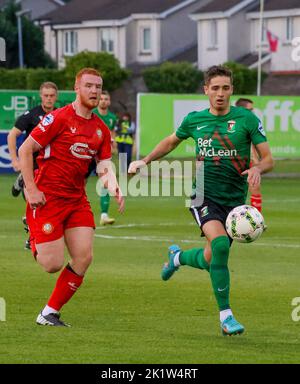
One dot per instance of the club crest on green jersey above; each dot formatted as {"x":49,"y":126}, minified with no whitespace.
{"x":231,"y":126}
{"x":204,"y":211}
{"x":261,"y":129}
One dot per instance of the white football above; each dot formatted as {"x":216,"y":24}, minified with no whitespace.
{"x":245,"y":224}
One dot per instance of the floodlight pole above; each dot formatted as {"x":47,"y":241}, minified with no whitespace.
{"x":261,"y":16}
{"x":19,"y":15}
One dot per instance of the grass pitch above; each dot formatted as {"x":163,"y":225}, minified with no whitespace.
{"x":124,"y":312}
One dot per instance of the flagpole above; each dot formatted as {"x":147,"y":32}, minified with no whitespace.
{"x":261,"y":15}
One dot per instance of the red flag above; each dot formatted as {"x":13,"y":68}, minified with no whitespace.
{"x":273,"y":41}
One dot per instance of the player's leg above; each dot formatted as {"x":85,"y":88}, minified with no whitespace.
{"x":255,"y":192}
{"x":128,"y":150}
{"x":50,"y":256}
{"x":219,"y":273}
{"x":122,"y":158}
{"x":196,"y":257}
{"x":47,"y":225}
{"x":256,"y":197}
{"x":26,"y":229}
{"x":104,"y":206}
{"x":78,"y":236}
{"x":79,"y":243}
{"x":17,"y":186}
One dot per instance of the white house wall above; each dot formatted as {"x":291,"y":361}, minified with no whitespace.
{"x":178,"y":31}
{"x":131,"y":42}
{"x":49,"y":42}
{"x":208,"y":56}
{"x":282,"y":59}
{"x":61,"y":60}
{"x":88,"y":39}
{"x":239,"y":36}
{"x":154,"y":55}
{"x":120,"y":47}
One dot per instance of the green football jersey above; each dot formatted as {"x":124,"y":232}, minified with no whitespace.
{"x":110,"y":119}
{"x":223,"y":143}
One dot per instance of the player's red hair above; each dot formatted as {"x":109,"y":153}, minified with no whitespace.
{"x":87,"y":71}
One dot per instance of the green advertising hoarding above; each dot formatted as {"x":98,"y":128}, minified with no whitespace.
{"x":159,"y":115}
{"x":15,"y":103}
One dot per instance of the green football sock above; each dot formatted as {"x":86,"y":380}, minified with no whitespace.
{"x":219,"y":272}
{"x":104,"y":200}
{"x":194,"y":258}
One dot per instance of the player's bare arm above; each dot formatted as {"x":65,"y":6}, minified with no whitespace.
{"x":108,"y":178}
{"x":166,"y":146}
{"x":265,"y":165}
{"x":34,"y":196}
{"x":12,"y":147}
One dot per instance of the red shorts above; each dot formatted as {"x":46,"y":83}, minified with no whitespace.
{"x":48,"y":223}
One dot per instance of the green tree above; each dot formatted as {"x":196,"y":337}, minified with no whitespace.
{"x":181,"y":77}
{"x":109,"y":67}
{"x":244,"y":79}
{"x":33,"y":40}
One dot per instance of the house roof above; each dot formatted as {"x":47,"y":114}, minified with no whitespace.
{"x":189,"y":54}
{"x":37,"y":8}
{"x":3,"y":3}
{"x":218,"y":6}
{"x":251,"y":58}
{"x":221,"y":8}
{"x":75,"y":12}
{"x":276,"y":5}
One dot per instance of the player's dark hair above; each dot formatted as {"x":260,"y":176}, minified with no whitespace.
{"x":104,"y":92}
{"x":217,"y":70}
{"x":48,"y":84}
{"x":242,"y":102}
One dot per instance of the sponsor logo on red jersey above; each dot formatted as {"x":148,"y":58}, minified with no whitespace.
{"x":82,"y":151}
{"x":48,"y":119}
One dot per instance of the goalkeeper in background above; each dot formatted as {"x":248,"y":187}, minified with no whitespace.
{"x":223,"y":136}
{"x":255,"y":192}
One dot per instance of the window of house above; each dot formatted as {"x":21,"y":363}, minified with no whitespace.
{"x":289,"y":28}
{"x":70,"y":43}
{"x":107,"y":43}
{"x":213,"y":36}
{"x":146,"y":39}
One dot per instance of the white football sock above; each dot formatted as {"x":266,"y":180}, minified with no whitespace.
{"x":47,"y":310}
{"x":225,"y":314}
{"x":104,"y":215}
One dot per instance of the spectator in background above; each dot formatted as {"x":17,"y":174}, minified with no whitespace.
{"x":124,"y":139}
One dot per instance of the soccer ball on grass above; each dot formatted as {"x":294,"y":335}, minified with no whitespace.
{"x":245,"y":224}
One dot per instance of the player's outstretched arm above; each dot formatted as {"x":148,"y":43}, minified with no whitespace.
{"x":265,"y":165}
{"x":166,"y":146}
{"x":33,"y":195}
{"x":14,"y":133}
{"x":108,"y":178}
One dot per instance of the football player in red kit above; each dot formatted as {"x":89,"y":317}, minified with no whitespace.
{"x":58,"y":212}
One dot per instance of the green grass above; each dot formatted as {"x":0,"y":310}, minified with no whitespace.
{"x":124,"y":312}
{"x":287,"y":166}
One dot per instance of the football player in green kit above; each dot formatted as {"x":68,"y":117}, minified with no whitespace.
{"x":223,"y":135}
{"x":110,"y":119}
